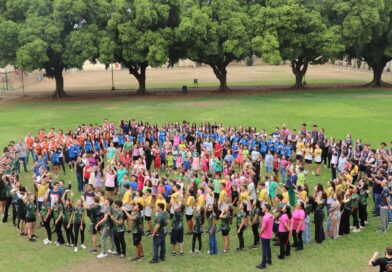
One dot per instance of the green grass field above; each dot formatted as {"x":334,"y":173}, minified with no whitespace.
{"x":365,"y":113}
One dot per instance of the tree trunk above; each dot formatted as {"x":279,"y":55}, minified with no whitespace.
{"x":221,"y":74}
{"x":299,"y":68}
{"x":139,"y":72}
{"x":377,"y":74}
{"x":59,"y":93}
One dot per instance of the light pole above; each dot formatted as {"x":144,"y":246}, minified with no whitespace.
{"x":113,"y":88}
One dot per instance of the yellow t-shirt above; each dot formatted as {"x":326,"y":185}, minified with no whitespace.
{"x":263,"y":195}
{"x":244,"y":196}
{"x":140,"y":200}
{"x":42,"y":190}
{"x":339,"y":189}
{"x":300,"y":146}
{"x":285,"y":197}
{"x":329,"y":192}
{"x":163,"y":201}
{"x":317,"y":152}
{"x":190,"y":201}
{"x":148,"y":200}
{"x":303,"y":195}
{"x":222,"y":196}
{"x":354,"y":171}
{"x":127,"y":197}
{"x":200,"y":200}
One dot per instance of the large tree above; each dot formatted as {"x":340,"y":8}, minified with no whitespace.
{"x":215,"y":33}
{"x":366,"y":27}
{"x":53,"y":35}
{"x":141,"y":33}
{"x":295,"y":31}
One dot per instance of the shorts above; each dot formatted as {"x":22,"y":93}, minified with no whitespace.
{"x":3,"y":198}
{"x":268,"y":169}
{"x":318,"y":162}
{"x":71,"y":159}
{"x":109,"y":189}
{"x":188,"y":217}
{"x":216,"y":195}
{"x":55,"y":163}
{"x":137,"y":239}
{"x":298,"y":157}
{"x":177,"y":236}
{"x":93,"y":231}
{"x":362,"y":168}
{"x":30,"y":220}
{"x":308,"y":161}
{"x":147,"y":218}
{"x":22,"y":216}
{"x":225,"y":232}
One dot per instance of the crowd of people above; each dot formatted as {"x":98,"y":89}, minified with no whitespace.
{"x":188,"y":179}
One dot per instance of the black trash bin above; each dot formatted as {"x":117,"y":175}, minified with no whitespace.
{"x":184,"y":89}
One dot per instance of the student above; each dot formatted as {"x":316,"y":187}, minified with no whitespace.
{"x":385,"y":263}
{"x":95,"y":215}
{"x":159,"y":234}
{"x":255,"y":220}
{"x":57,"y":214}
{"x":242,"y":222}
{"x":211,"y":216}
{"x":31,"y":212}
{"x":225,"y":229}
{"x":136,"y":218}
{"x":177,"y":233}
{"x":107,"y":230}
{"x":118,"y":228}
{"x":78,"y":224}
{"x":45,"y":216}
{"x":67,"y":220}
{"x":284,"y":232}
{"x":266,"y":236}
{"x":197,"y":228}
{"x":148,"y":210}
{"x":189,"y":211}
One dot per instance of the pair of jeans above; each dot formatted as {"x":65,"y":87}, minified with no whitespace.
{"x":298,"y":241}
{"x":362,"y":214}
{"x":284,"y":243}
{"x":23,"y":159}
{"x":7,"y":208}
{"x":333,"y":170}
{"x":198,"y":237}
{"x":107,"y":234}
{"x":119,"y":240}
{"x":318,"y":226}
{"x":266,"y":252}
{"x":213,"y":242}
{"x":384,"y":218}
{"x":79,"y":177}
{"x":28,"y":151}
{"x":377,"y":198}
{"x":159,"y":242}
{"x":47,"y":228}
{"x":241,"y":237}
{"x":306,"y":232}
{"x":255,"y":230}
{"x":344,"y":227}
{"x":76,"y":233}
{"x":60,"y":238}
{"x":69,"y":233}
{"x":355,"y":218}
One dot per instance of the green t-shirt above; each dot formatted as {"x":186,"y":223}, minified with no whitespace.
{"x":255,"y":212}
{"x":272,"y":189}
{"x":354,"y":200}
{"x":67,"y":214}
{"x":45,"y":209}
{"x":31,"y":210}
{"x":225,"y":222}
{"x":161,"y":219}
{"x":95,"y":212}
{"x":178,"y":219}
{"x":363,"y":195}
{"x":118,"y":215}
{"x":211,"y":220}
{"x":197,"y":226}
{"x":78,"y":214}
{"x":128,"y":146}
{"x":216,"y":186}
{"x":108,"y":224}
{"x":137,"y":223}
{"x":3,"y":189}
{"x":240,"y":216}
{"x":57,"y":209}
{"x":218,"y":166}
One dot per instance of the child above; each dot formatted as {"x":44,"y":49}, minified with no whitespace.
{"x":197,"y":228}
{"x":268,"y":163}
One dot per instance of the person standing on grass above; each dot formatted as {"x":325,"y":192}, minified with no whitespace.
{"x":136,"y":218}
{"x":320,"y":199}
{"x":79,"y":225}
{"x":298,"y":225}
{"x":45,"y":216}
{"x":31,"y":215}
{"x":107,"y":231}
{"x":57,"y":214}
{"x":242,"y":222}
{"x":177,"y":234}
{"x":384,"y":206}
{"x":266,"y":236}
{"x":211,"y":217}
{"x":255,"y":221}
{"x":225,"y":228}
{"x":159,"y":234}
{"x":118,"y":228}
{"x":385,"y":263}
{"x":284,"y":232}
{"x":94,"y":211}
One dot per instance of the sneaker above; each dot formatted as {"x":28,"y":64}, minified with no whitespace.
{"x":110,"y":252}
{"x":352,"y":227}
{"x":357,"y":230}
{"x":135,"y":259}
{"x":83,"y":246}
{"x":362,"y":227}
{"x":115,"y":253}
{"x":47,"y":242}
{"x":174,"y":253}
{"x":259,"y":266}
{"x":32,"y":240}
{"x":191,"y":252}
{"x":239,"y":249}
{"x":44,"y":240}
{"x":181,"y":253}
{"x":66,"y":244}
{"x":102,"y":255}
{"x":122,"y":256}
{"x":75,"y":249}
{"x":93,"y":251}
{"x":254,"y":247}
{"x":154,"y":261}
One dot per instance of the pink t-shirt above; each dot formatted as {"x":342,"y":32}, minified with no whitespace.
{"x":298,"y":215}
{"x":284,"y":220}
{"x":267,"y":224}
{"x":109,"y":180}
{"x":176,"y":140}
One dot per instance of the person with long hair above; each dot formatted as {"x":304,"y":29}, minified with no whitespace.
{"x":211,"y":217}
{"x":225,"y":228}
{"x":57,"y":214}
{"x":298,"y":225}
{"x":320,"y":201}
{"x":31,"y":216}
{"x":344,"y":227}
{"x":45,"y":216}
{"x":67,"y":219}
{"x":197,"y":228}
{"x":79,"y":225}
{"x":333,"y":218}
{"x":255,"y":220}
{"x":284,"y":232}
{"x":242,"y":222}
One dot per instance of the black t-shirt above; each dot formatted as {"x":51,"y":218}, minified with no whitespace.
{"x":377,"y":189}
{"x":384,"y":263}
{"x":79,"y":167}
